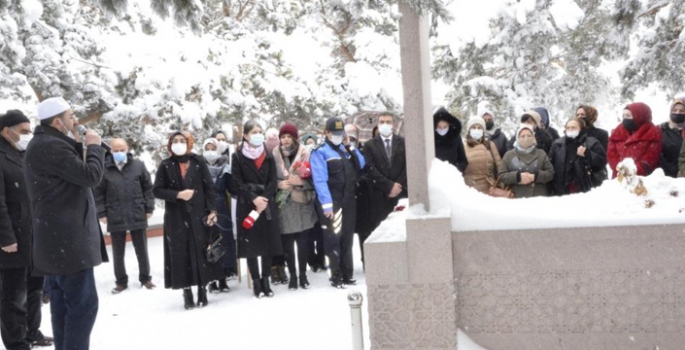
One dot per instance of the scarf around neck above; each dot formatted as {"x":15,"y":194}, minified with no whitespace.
{"x":252,"y":153}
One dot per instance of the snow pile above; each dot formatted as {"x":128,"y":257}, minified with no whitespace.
{"x":609,"y":205}
{"x":567,"y":14}
{"x":394,"y":229}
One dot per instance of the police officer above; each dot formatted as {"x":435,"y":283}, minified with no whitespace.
{"x":335,"y":170}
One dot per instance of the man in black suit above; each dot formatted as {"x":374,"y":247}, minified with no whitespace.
{"x":386,"y":169}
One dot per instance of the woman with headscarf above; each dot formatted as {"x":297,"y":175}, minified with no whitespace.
{"x":589,"y":115}
{"x":526,"y":168}
{"x":543,"y":139}
{"x":579,"y":161}
{"x":184,"y":182}
{"x":259,"y":235}
{"x":672,"y":133}
{"x":637,"y":138}
{"x":220,"y":170}
{"x":448,"y":144}
{"x":297,"y":211}
{"x":483,"y":156}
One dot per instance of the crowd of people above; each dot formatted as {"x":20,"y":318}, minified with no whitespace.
{"x":298,"y":198}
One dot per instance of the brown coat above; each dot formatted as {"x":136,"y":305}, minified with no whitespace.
{"x":483,"y":166}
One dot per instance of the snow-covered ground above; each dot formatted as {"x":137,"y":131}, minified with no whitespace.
{"x":318,"y":318}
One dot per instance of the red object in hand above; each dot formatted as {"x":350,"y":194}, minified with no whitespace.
{"x":400,"y":208}
{"x":303,"y":169}
{"x":250,"y":220}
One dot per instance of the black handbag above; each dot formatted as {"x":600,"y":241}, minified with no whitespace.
{"x":216,"y":249}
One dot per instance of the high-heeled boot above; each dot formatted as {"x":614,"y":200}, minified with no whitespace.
{"x":202,"y":297}
{"x":266,"y":287}
{"x":257,"y":288}
{"x":188,"y":301}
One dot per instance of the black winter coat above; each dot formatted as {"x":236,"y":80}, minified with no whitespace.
{"x":66,"y":233}
{"x":571,"y":168}
{"x":264,"y":238}
{"x":500,"y":140}
{"x":671,"y":143}
{"x":384,"y":173}
{"x":15,"y":209}
{"x":124,"y":196}
{"x":450,"y":148}
{"x":553,"y":133}
{"x":186,"y":236}
{"x":600,"y":134}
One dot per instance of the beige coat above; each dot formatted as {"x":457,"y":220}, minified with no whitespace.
{"x":483,"y":166}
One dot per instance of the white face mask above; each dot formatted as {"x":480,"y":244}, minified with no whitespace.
{"x":23,"y":140}
{"x":179,"y":149}
{"x":572,"y":134}
{"x":257,"y":140}
{"x":385,"y":129}
{"x":211,"y":156}
{"x":336,"y":139}
{"x":476,"y":134}
{"x":442,"y":132}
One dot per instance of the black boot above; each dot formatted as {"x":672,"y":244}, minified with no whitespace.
{"x":304,"y":283}
{"x":257,"y":288}
{"x":293,"y":282}
{"x":214,"y":288}
{"x":348,"y":281}
{"x":202,"y":297}
{"x":223,"y":286}
{"x":337,"y":281}
{"x":267,"y":288}
{"x":188,"y":299}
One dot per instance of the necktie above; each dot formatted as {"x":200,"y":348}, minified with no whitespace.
{"x":388,"y":149}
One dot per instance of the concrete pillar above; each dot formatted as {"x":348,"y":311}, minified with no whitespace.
{"x":418,"y":109}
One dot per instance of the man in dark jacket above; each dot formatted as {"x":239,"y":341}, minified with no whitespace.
{"x":125,"y":202}
{"x":20,"y":293}
{"x":493,"y":134}
{"x":386,"y":165}
{"x":66,"y":234}
{"x":335,"y":171}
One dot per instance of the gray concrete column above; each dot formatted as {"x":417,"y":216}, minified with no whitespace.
{"x":418,"y":120}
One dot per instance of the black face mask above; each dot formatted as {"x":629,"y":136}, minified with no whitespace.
{"x":678,"y":118}
{"x":629,"y":124}
{"x":489,"y":125}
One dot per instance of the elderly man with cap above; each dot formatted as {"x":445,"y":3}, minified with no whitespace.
{"x":67,"y":240}
{"x":335,"y":170}
{"x":124,"y":200}
{"x":20,"y":293}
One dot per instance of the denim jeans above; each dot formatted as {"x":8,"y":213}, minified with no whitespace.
{"x":74,"y":306}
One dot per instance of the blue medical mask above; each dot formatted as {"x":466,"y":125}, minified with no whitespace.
{"x":442,"y":132}
{"x":257,"y":139}
{"x":119,"y":157}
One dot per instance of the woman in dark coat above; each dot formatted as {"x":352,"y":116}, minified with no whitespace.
{"x":448,"y":144}
{"x":579,"y":161}
{"x":220,"y":170}
{"x":184,"y":183}
{"x":672,"y":142}
{"x":636,"y":138}
{"x":589,"y":115}
{"x":254,"y":175}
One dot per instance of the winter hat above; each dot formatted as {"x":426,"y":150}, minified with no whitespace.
{"x":475,"y":121}
{"x":352,"y":131}
{"x":678,"y":101}
{"x":211,"y":140}
{"x":289,"y":129}
{"x":486,"y":112}
{"x":544,"y":115}
{"x":532,"y":114}
{"x":308,"y":136}
{"x":190,"y":141}
{"x":524,"y":127}
{"x":271,"y":137}
{"x":443,"y":114}
{"x":641,"y":113}
{"x":51,"y":107}
{"x":12,"y":118}
{"x":591,"y":114}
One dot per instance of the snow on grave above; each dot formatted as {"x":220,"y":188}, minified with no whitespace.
{"x":629,"y":200}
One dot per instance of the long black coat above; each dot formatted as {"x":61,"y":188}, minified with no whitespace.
{"x":66,"y":233}
{"x":15,"y":209}
{"x":186,"y":237}
{"x":600,"y":134}
{"x":571,"y":168}
{"x":671,"y":143}
{"x":124,"y":196}
{"x":383,"y":173}
{"x":264,"y":238}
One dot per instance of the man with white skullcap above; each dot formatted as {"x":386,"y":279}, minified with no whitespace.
{"x":67,"y":240}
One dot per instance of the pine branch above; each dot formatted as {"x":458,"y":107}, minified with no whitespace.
{"x":654,"y":9}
